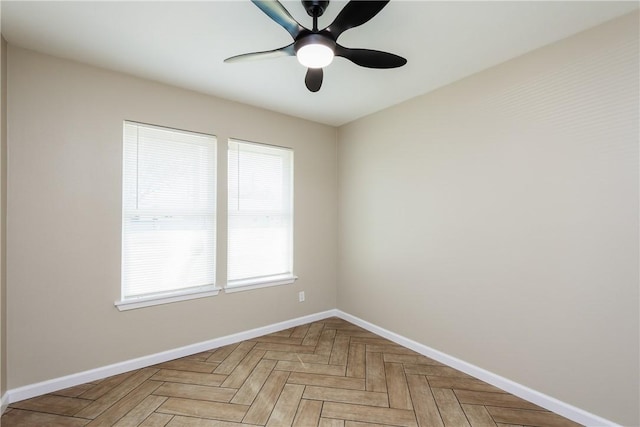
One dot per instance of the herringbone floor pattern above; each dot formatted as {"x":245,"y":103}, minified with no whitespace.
{"x":327,"y":373}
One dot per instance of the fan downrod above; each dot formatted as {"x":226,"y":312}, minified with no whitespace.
{"x":315,"y":8}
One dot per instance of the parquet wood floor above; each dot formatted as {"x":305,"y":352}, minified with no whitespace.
{"x":328,"y":373}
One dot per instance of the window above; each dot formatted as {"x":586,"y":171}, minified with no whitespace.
{"x":260,"y":231}
{"x":168,"y":215}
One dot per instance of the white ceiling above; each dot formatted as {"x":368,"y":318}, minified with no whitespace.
{"x":185,"y":43}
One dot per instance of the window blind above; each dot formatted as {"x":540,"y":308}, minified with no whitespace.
{"x":260,"y":230}
{"x":168,"y":213}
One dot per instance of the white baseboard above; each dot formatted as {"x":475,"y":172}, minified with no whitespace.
{"x":571,"y":412}
{"x":44,"y":387}
{"x":552,"y":404}
{"x":4,"y":402}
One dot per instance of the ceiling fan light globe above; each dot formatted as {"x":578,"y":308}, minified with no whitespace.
{"x":315,"y":55}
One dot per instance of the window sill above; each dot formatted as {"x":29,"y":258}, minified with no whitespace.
{"x":133,"y":303}
{"x":263,"y":282}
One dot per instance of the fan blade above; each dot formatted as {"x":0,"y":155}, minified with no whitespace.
{"x":313,"y":79}
{"x":370,"y":58}
{"x":355,"y":13}
{"x":277,"y":12}
{"x":267,"y":54}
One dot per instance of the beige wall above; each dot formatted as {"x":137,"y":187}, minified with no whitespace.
{"x":64,"y":210}
{"x":496,"y":220}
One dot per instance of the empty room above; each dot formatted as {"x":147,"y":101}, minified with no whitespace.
{"x":320,"y":213}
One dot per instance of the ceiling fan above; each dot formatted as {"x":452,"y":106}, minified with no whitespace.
{"x":316,"y":48}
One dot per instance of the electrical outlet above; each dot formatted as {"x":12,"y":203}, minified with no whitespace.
{"x":301,"y":296}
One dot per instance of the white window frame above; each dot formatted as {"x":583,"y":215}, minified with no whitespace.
{"x":209,"y":142}
{"x":279,"y":278}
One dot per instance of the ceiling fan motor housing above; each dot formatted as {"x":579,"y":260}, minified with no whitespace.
{"x":314,"y":38}
{"x":315,"y":8}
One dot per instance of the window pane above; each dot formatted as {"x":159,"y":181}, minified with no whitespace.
{"x":168,"y":225}
{"x":260,"y":231}
{"x":258,"y":246}
{"x":167,"y":254}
